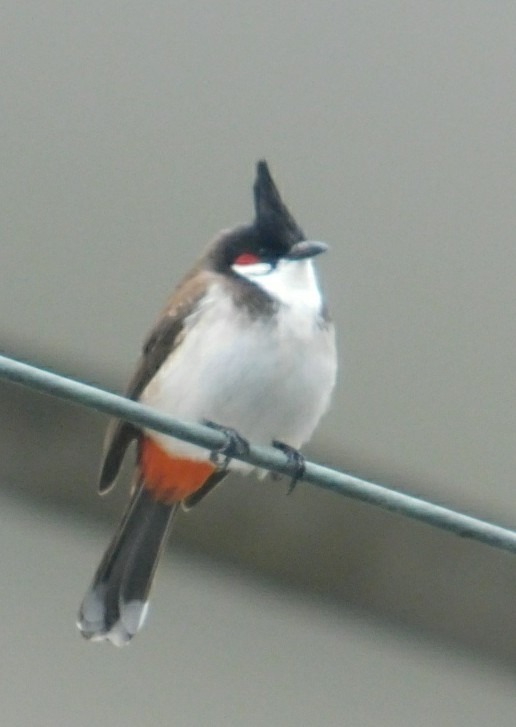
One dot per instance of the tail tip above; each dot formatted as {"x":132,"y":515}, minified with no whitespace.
{"x":95,"y":625}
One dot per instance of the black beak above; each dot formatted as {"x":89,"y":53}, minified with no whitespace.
{"x":305,"y":249}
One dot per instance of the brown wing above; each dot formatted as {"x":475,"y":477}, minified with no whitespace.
{"x":164,"y":337}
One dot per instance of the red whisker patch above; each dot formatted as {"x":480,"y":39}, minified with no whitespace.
{"x":247,"y":258}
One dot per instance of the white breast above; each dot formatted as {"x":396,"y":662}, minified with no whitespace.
{"x":266,"y":378}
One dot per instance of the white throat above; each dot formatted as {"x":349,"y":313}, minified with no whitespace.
{"x":292,"y":282}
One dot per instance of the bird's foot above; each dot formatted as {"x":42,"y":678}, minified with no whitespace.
{"x":234,"y":446}
{"x":296,"y":462}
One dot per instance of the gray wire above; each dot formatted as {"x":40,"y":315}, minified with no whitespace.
{"x":264,"y":457}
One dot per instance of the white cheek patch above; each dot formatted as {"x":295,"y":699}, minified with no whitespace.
{"x":252,"y":271}
{"x":292,"y":282}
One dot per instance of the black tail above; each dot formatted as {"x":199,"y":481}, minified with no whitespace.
{"x":116,"y":603}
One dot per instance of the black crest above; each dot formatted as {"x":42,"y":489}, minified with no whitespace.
{"x":273,"y":221}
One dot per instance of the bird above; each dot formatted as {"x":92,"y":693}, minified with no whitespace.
{"x":245,"y":341}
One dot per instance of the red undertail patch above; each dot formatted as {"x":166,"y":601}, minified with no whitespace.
{"x":171,"y":479}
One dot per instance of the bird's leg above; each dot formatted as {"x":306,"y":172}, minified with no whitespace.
{"x":296,"y":461}
{"x":234,"y":446}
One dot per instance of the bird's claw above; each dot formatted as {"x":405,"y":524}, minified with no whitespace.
{"x":296,"y":462}
{"x":234,"y":446}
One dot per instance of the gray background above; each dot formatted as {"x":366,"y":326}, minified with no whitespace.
{"x":129,"y":136}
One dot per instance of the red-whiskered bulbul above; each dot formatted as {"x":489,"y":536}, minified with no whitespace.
{"x":246,"y":341}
